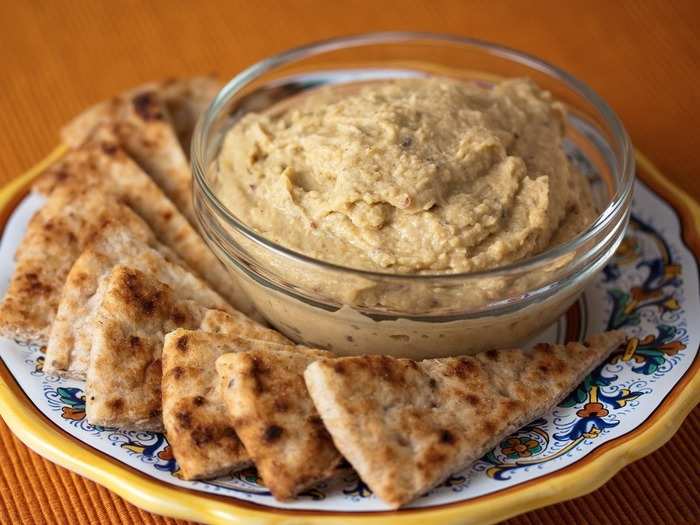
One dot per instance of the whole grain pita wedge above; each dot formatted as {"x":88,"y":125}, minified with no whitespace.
{"x":199,"y":428}
{"x":124,"y":375}
{"x":55,"y":237}
{"x":68,"y":349}
{"x":148,"y":135}
{"x":104,"y":166}
{"x":274,"y":416}
{"x":185,"y":100}
{"x":140,"y":120}
{"x":406,"y":426}
{"x":154,"y":122}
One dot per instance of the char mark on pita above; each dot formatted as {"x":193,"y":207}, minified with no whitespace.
{"x":199,"y":427}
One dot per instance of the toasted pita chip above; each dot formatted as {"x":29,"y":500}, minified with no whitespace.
{"x":185,"y":100}
{"x":103,"y":166}
{"x":274,"y":416}
{"x":124,"y":374}
{"x":55,"y":237}
{"x":405,"y":426}
{"x":198,"y":426}
{"x":146,"y":132}
{"x":68,"y":349}
{"x":140,"y":120}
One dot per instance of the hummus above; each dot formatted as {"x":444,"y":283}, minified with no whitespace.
{"x":410,"y":176}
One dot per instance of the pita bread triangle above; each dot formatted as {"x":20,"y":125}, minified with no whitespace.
{"x":68,"y":348}
{"x":103,"y":166}
{"x":185,"y":100}
{"x":141,"y":121}
{"x":265,"y":395}
{"x":199,"y":428}
{"x":405,"y":426}
{"x":55,"y":237}
{"x":124,"y":374}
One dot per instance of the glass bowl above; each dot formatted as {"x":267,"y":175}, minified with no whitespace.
{"x":351,"y":311}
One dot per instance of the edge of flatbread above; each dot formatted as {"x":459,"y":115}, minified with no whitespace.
{"x":141,"y":121}
{"x":275,"y":418}
{"x":185,"y":99}
{"x":70,"y":341}
{"x":57,"y":234}
{"x":125,"y":372}
{"x":105,"y":167}
{"x":405,"y":426}
{"x":198,"y":426}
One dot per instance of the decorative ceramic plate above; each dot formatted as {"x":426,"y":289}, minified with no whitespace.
{"x":622,"y":411}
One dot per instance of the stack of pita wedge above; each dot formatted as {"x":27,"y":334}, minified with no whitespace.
{"x":113,"y":279}
{"x":117,"y":219}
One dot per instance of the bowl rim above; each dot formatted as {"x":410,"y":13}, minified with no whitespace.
{"x":625,"y":162}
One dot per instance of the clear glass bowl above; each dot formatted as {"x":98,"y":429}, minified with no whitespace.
{"x":352,"y":311}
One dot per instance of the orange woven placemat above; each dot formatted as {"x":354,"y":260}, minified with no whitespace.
{"x":661,"y":488}
{"x":57,"y":57}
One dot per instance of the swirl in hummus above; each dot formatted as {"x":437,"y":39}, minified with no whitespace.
{"x":420,"y":175}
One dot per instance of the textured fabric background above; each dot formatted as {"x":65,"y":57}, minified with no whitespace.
{"x":56,"y":57}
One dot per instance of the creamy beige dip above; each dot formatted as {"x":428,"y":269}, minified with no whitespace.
{"x":421,"y":175}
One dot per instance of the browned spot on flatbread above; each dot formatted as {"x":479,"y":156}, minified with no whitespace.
{"x":462,"y":369}
{"x":184,"y":418}
{"x":202,"y":436}
{"x":316,"y":420}
{"x":198,"y":401}
{"x":447,"y":437}
{"x":281,"y":405}
{"x":138,"y":296}
{"x":177,"y":372}
{"x":272,"y":433}
{"x":116,"y":404}
{"x":109,"y":149}
{"x":182,"y":343}
{"x":432,"y":457}
{"x":257,"y":371}
{"x":146,"y":106}
{"x":401,"y":440}
{"x":229,"y":432}
{"x":488,"y":427}
{"x":179,"y":317}
{"x":512,"y":404}
{"x":34,"y":285}
{"x":472,"y":399}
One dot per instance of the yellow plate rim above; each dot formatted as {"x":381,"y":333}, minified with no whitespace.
{"x":584,"y":476}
